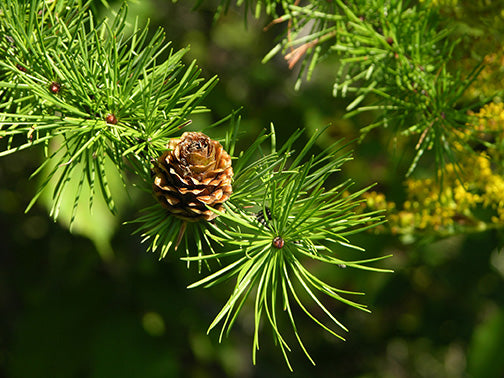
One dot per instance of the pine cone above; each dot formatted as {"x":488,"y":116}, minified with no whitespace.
{"x":195,"y":172}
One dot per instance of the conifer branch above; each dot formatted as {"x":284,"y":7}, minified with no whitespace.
{"x":93,"y":95}
{"x":393,"y":59}
{"x":90,"y":93}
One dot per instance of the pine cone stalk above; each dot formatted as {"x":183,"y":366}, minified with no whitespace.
{"x":193,"y":174}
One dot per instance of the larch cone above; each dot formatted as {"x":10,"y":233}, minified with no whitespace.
{"x":195,"y":172}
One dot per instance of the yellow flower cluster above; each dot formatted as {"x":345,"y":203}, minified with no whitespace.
{"x":490,"y":119}
{"x":469,"y":199}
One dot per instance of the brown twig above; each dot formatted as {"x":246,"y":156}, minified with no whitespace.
{"x":296,"y":54}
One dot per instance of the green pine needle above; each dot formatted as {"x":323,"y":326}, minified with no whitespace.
{"x":310,"y":223}
{"x":392,"y":59}
{"x":104,"y":94}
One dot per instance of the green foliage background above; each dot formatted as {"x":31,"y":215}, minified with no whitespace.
{"x":98,"y":306}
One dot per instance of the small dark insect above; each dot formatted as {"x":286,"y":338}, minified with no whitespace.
{"x":111,"y":118}
{"x":278,"y":242}
{"x":262,"y":219}
{"x":55,"y":87}
{"x":21,"y":68}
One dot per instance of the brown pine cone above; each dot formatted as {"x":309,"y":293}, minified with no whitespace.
{"x":195,"y":172}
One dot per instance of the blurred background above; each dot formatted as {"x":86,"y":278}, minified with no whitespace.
{"x":93,"y":303}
